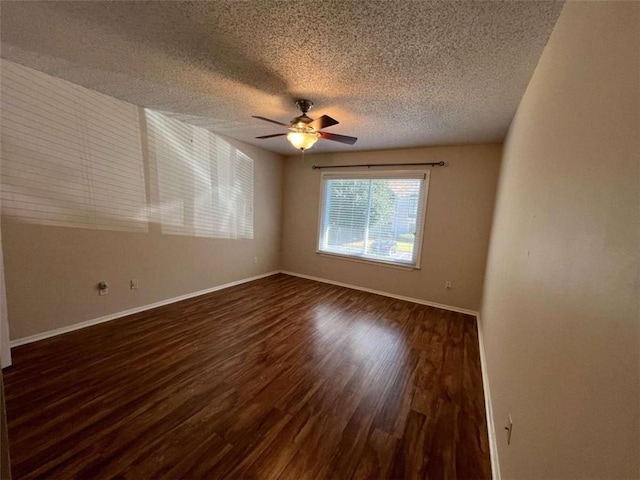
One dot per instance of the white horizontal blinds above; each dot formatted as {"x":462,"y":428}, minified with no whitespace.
{"x":205,"y":185}
{"x":375,"y":216}
{"x":70,"y":156}
{"x":345,"y":217}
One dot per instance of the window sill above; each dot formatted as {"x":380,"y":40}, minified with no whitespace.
{"x":369,"y":261}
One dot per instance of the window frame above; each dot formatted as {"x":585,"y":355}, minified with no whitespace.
{"x":384,"y":174}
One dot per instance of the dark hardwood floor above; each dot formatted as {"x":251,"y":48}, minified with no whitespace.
{"x":278,"y":378}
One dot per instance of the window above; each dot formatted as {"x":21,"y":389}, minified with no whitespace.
{"x":373,"y":216}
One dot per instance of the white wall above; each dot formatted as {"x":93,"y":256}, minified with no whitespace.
{"x":560,"y":311}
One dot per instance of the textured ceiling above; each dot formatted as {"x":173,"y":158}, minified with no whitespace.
{"x":394,"y":73}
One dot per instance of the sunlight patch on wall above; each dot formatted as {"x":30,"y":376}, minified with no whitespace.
{"x":71,"y":157}
{"x":205,"y":185}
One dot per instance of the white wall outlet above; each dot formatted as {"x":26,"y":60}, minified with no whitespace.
{"x":447,"y":285}
{"x":134,"y":284}
{"x":509,"y":429}
{"x":103,"y":288}
{"x":255,"y":259}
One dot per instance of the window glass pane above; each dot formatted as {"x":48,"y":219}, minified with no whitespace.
{"x":374,"y":218}
{"x":345,"y":219}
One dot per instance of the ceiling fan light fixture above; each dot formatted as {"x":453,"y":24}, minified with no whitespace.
{"x":304,"y":131}
{"x":303,"y":140}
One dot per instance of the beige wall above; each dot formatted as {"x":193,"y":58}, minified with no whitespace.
{"x":560,"y":312}
{"x":52,"y":272}
{"x":458,"y":221}
{"x":72,"y":157}
{"x":5,"y":350}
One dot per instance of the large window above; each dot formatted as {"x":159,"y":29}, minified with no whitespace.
{"x":373,"y":216}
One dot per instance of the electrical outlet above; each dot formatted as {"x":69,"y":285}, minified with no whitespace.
{"x":447,"y":285}
{"x":255,"y":259}
{"x":509,"y":429}
{"x":103,"y":288}
{"x":134,"y":284}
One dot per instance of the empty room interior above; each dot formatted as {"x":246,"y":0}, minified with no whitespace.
{"x":320,"y":240}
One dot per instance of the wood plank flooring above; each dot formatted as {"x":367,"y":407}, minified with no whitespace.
{"x":280,"y":378}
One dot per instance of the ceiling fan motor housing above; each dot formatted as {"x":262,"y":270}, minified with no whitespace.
{"x":300,"y":122}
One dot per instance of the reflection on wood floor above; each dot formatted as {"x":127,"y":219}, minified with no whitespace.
{"x":278,"y":378}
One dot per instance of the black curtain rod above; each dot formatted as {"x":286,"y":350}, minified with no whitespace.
{"x":369,"y":165}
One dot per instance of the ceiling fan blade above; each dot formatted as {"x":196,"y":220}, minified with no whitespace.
{"x":323,"y":122}
{"x":274,"y":135}
{"x":338,"y":138}
{"x":272,"y":121}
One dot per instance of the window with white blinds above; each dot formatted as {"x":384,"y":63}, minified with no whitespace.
{"x":205,"y":185}
{"x":71,"y":157}
{"x":374,"y":216}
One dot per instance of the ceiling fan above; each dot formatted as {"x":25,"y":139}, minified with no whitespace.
{"x":304,"y":131}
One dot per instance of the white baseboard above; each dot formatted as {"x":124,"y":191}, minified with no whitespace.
{"x":113,"y":316}
{"x":385,"y":294}
{"x":493,"y":445}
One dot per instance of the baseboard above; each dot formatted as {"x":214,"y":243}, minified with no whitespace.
{"x":493,"y":445}
{"x":385,"y":294}
{"x":113,"y":316}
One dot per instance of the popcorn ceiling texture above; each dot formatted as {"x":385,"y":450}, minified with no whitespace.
{"x":394,"y":73}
